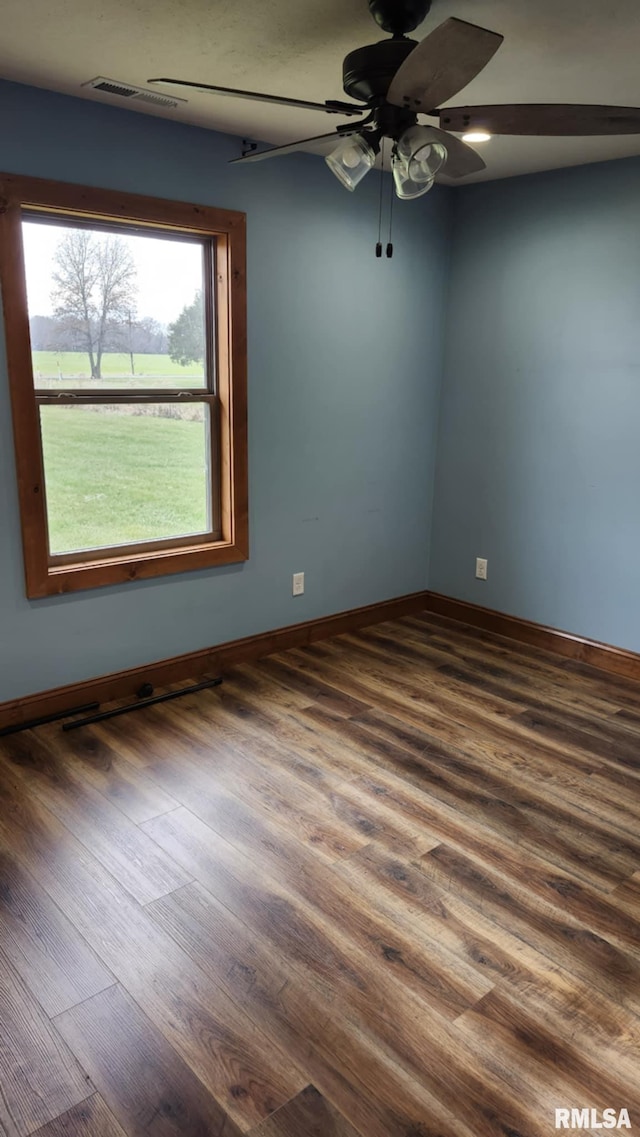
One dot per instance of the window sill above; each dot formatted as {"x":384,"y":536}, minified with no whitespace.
{"x":55,"y":579}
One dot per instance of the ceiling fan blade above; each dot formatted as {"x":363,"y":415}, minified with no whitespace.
{"x":445,"y":62}
{"x":462,"y":160}
{"x":291,"y":147}
{"x":332,"y":106}
{"x":543,"y":119}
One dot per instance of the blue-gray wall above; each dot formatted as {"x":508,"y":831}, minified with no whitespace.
{"x":538,"y":463}
{"x":344,"y":374}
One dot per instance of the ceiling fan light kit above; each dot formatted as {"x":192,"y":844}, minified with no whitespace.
{"x":394,"y":81}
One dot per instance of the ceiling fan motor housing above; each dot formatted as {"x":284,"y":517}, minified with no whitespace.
{"x":399,"y":16}
{"x":367,"y":72}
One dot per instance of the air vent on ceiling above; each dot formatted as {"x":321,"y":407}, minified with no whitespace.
{"x":133,"y":94}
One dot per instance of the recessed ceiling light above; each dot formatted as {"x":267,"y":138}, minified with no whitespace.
{"x":476,"y":136}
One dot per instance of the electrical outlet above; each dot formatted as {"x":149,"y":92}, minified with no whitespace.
{"x":298,"y":583}
{"x":481,"y":568}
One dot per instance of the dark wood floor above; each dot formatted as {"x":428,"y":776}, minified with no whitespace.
{"x":385,"y":886}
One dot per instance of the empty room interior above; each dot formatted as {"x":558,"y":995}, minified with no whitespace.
{"x":319,"y":618}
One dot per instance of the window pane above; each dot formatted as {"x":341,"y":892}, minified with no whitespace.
{"x":114,"y":309}
{"x":121,"y":474}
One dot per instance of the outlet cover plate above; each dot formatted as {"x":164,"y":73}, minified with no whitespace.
{"x":298,"y":583}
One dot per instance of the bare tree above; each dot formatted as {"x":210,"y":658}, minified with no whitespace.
{"x":94,"y":290}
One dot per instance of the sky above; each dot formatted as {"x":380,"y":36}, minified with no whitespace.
{"x":169,"y":271}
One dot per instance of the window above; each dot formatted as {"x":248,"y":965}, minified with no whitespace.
{"x":125,"y":322}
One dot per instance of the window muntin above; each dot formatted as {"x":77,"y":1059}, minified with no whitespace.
{"x":191,"y":410}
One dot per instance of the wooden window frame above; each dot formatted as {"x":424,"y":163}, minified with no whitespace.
{"x":46,"y":576}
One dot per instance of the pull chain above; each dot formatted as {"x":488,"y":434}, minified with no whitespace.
{"x":389,"y":243}
{"x":379,"y":242}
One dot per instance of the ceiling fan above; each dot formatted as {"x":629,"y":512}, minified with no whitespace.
{"x":397,"y":79}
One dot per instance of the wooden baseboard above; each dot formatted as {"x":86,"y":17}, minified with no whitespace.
{"x":193,"y":665}
{"x":604,"y":656}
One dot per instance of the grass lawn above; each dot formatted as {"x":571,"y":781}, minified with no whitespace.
{"x":50,"y":368}
{"x":113,"y":478}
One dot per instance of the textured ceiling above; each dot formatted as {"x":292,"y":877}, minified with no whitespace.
{"x":554,"y":51}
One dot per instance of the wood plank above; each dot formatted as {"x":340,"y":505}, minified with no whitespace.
{"x":459,"y":781}
{"x":576,"y":1017}
{"x":115,"y":841}
{"x":552,"y":998}
{"x":561,"y":1069}
{"x":276,"y":677}
{"x":360,"y":1075}
{"x":100,"y":765}
{"x":438,"y":1075}
{"x":501,"y":658}
{"x":599,"y":854}
{"x":444,"y":704}
{"x":39,"y":1077}
{"x":556,"y":810}
{"x":566,"y":775}
{"x":572,"y":676}
{"x":300,"y":811}
{"x":318,"y":811}
{"x":603,"y":741}
{"x":627,"y":895}
{"x":146,"y":1085}
{"x":54,"y":961}
{"x":89,"y":1119}
{"x":599,"y":794}
{"x":395,"y":886}
{"x":368,"y":1043}
{"x":368,"y":676}
{"x":292,"y":900}
{"x":224,"y":1048}
{"x":309,"y":1114}
{"x":587,"y":694}
{"x":256,"y":719}
{"x":549,"y":1010}
{"x":555,"y":933}
{"x":424,"y":636}
{"x":602,"y":914}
